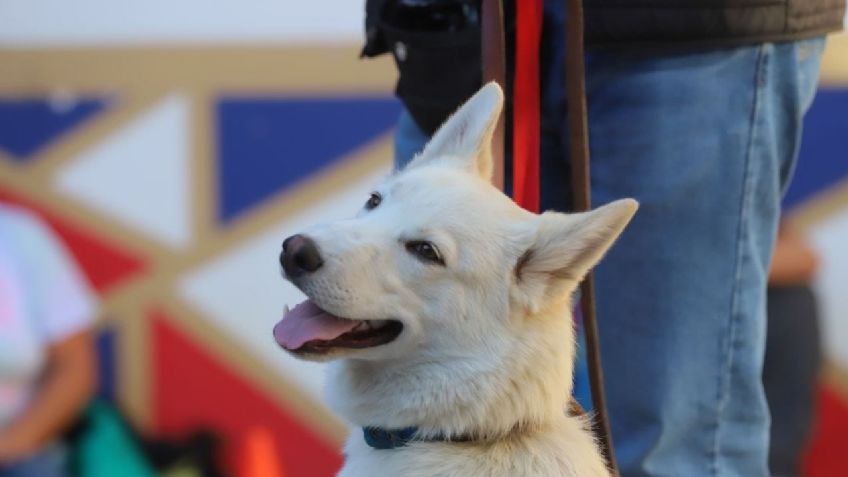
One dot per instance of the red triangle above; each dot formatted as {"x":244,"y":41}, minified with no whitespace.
{"x":192,"y":390}
{"x":826,"y":453}
{"x":105,"y":264}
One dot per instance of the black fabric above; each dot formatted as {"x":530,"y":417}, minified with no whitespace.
{"x":664,"y":23}
{"x":438,"y":69}
{"x":680,"y":23}
{"x":791,"y":369}
{"x":375,"y":41}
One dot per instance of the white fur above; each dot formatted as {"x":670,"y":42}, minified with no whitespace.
{"x":488,"y":346}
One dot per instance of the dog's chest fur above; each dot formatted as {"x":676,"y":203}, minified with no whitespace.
{"x":530,"y":387}
{"x":565,"y":450}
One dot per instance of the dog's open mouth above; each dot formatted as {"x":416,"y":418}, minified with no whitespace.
{"x":309,"y":329}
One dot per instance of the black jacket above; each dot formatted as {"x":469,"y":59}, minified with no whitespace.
{"x":439,"y":69}
{"x":634,"y":23}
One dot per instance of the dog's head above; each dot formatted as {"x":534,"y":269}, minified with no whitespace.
{"x":438,"y":263}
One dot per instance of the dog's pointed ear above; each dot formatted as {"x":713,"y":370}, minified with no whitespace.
{"x":465,"y":139}
{"x":564,"y":248}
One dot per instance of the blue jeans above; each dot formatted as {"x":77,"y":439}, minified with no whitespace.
{"x":50,"y":462}
{"x":706,"y":142}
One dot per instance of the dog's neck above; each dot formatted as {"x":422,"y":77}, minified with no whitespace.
{"x":527,"y":387}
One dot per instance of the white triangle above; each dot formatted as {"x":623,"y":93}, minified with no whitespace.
{"x":828,"y":238}
{"x":242,"y":291}
{"x":141,"y":174}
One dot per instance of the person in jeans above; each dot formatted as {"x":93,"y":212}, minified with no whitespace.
{"x":47,"y":356}
{"x":695,"y":110}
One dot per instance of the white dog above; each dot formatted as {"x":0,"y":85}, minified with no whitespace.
{"x":446,"y":308}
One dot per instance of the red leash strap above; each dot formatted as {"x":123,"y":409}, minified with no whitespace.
{"x":526,"y":112}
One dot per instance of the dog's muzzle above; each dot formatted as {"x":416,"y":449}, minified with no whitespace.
{"x":300,"y":256}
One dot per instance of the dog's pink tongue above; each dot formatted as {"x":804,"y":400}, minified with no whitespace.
{"x":306,"y":322}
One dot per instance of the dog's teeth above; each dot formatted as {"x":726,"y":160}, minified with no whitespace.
{"x":370,"y":325}
{"x":285,"y":310}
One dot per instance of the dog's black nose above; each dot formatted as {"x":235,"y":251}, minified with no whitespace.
{"x":300,"y":255}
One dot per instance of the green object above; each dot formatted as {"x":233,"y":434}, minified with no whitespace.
{"x":106,"y":447}
{"x":182,"y":470}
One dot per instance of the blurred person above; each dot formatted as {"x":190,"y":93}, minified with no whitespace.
{"x":793,"y":351}
{"x":47,"y":356}
{"x":695,"y":110}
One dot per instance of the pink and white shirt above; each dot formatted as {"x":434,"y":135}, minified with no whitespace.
{"x":44,"y":298}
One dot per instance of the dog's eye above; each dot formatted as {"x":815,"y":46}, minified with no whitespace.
{"x":425,"y":251}
{"x":373,"y":201}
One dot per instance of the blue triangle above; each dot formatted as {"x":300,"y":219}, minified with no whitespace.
{"x":821,"y":161}
{"x":266,"y":144}
{"x":28,"y":124}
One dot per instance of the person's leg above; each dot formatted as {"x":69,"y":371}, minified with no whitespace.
{"x":704,"y":141}
{"x":790,"y":374}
